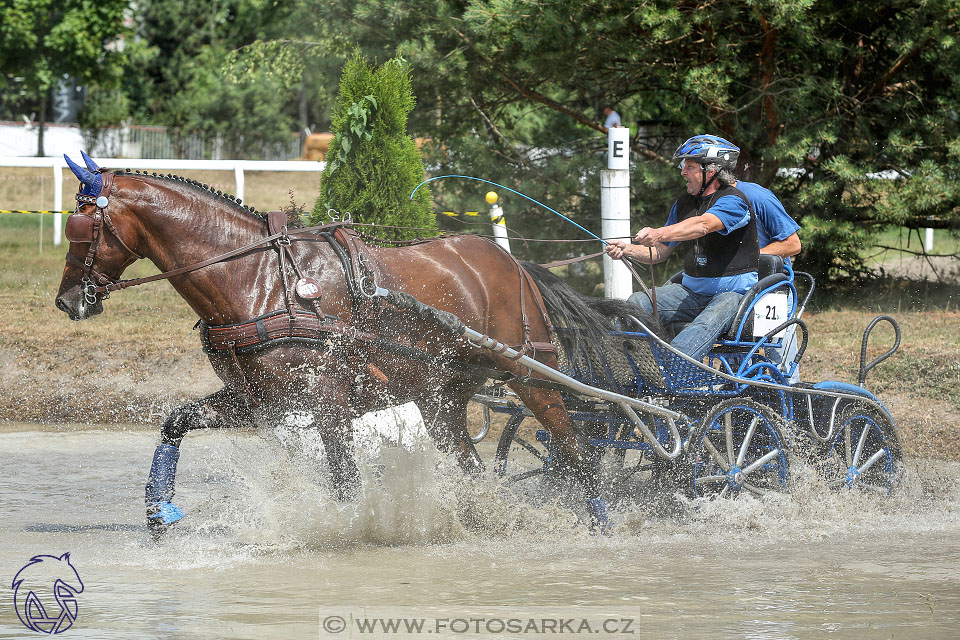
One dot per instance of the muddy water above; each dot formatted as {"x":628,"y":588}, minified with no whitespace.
{"x":264,"y":553}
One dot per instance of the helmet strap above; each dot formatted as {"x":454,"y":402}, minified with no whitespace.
{"x":704,"y":183}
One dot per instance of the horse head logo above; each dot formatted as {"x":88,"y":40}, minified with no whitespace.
{"x":45,"y":594}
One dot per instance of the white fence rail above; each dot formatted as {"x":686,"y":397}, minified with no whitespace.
{"x":135,"y":141}
{"x":57,"y":165}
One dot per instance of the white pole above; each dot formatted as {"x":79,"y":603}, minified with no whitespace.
{"x":615,"y":209}
{"x":498,"y":222}
{"x":58,"y":165}
{"x":928,"y":241}
{"x":238,"y":177}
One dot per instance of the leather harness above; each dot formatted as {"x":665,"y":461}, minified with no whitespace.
{"x":295,"y":324}
{"x":313,"y":328}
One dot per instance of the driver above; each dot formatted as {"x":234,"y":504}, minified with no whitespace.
{"x":716,"y":226}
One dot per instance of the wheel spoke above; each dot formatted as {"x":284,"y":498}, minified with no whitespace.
{"x":860,"y":443}
{"x":866,"y":486}
{"x":725,"y":491}
{"x":710,"y":479}
{"x":746,"y":440}
{"x":532,"y":449}
{"x":640,"y":466}
{"x":527,"y":474}
{"x":760,"y":461}
{"x":712,"y":450}
{"x":728,"y":432}
{"x":754,"y":489}
{"x":871,"y":460}
{"x":848,"y":459}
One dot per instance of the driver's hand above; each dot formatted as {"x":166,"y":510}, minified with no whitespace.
{"x":616,"y":249}
{"x":648,"y":237}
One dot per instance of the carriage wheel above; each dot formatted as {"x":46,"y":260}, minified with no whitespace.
{"x":866,"y":451}
{"x":521,"y":458}
{"x":739,"y":447}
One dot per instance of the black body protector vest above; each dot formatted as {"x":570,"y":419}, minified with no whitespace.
{"x":716,"y":255}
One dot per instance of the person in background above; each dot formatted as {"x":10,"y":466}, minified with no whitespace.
{"x":612,"y":118}
{"x":777,"y":232}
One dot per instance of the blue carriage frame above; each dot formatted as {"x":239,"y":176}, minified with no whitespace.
{"x":739,"y":373}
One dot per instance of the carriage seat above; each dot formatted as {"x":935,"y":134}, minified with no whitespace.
{"x":770,"y":271}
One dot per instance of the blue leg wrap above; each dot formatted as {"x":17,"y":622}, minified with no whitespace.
{"x":160,"y":485}
{"x":167,"y":513}
{"x":599,"y":519}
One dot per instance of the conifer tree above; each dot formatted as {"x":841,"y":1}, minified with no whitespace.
{"x":373,"y":164}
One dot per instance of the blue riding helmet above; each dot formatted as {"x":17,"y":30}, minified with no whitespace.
{"x":707,"y":149}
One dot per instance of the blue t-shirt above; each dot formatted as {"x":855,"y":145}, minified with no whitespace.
{"x":733,"y":213}
{"x":773,"y":221}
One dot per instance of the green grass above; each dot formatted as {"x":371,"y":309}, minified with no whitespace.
{"x":945,"y":242}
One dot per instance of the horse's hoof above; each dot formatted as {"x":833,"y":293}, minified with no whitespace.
{"x":160,"y":517}
{"x":599,"y":519}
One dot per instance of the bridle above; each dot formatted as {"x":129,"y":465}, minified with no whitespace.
{"x":83,"y":228}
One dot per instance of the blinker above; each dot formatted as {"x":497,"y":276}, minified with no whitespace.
{"x":79,"y":228}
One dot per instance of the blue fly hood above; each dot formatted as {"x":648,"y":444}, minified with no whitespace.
{"x":92,"y":181}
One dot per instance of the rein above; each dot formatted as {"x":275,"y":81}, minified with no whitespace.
{"x":124,"y":284}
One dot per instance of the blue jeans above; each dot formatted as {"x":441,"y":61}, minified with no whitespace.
{"x":708,"y":316}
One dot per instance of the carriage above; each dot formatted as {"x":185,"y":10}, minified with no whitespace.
{"x":728,"y":426}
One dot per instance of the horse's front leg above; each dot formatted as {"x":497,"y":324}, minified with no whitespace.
{"x":336,"y":432}
{"x":572,"y":450}
{"x":223,"y":409}
{"x":444,"y":414}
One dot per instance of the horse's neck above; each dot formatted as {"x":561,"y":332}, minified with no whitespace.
{"x":197,"y":228}
{"x":182,"y":236}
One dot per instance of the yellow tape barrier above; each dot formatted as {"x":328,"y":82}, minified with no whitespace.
{"x":33,"y":211}
{"x":454,"y":214}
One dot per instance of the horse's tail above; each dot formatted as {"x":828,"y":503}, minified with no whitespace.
{"x":587,"y":319}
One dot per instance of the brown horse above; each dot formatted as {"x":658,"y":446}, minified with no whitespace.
{"x":359,"y":354}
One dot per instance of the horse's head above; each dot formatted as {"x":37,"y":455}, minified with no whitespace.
{"x":102,"y":240}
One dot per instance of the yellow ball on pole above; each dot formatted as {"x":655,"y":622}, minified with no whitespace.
{"x":492,"y":197}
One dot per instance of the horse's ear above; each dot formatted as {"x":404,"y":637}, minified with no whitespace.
{"x":92,"y":182}
{"x":87,"y":161}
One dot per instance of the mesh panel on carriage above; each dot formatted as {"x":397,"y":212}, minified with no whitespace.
{"x":682,"y":376}
{"x":632,"y":363}
{"x":614,"y":362}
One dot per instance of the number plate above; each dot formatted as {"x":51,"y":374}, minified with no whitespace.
{"x":770,"y":312}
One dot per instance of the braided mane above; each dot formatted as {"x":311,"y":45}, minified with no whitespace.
{"x":207,"y":190}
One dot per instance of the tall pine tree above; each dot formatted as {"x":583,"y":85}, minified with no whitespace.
{"x":373,"y":164}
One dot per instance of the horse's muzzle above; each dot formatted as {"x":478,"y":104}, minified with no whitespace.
{"x":73,"y":303}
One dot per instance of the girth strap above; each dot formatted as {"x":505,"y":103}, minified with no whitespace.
{"x":272,"y":327}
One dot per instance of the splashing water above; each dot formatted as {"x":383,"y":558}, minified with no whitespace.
{"x":263,"y":542}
